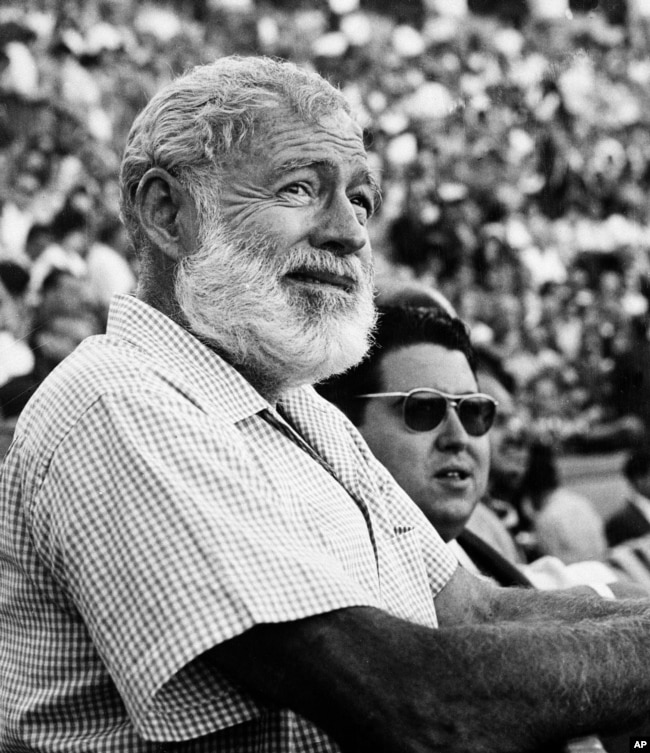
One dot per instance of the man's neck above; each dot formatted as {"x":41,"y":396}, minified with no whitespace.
{"x":269,"y":388}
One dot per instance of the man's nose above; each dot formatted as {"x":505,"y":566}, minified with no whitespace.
{"x":338,"y":228}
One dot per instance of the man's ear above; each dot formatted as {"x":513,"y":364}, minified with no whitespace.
{"x":167,"y":213}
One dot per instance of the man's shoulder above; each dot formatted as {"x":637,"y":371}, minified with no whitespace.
{"x":486,"y":524}
{"x":106,"y":371}
{"x":101,"y":365}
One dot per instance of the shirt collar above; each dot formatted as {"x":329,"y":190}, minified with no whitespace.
{"x":177,"y":350}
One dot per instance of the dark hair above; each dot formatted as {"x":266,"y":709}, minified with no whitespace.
{"x":491,"y":363}
{"x":398,"y":327}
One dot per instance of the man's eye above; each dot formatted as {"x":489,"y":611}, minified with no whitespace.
{"x":297,"y":189}
{"x":364,"y":202}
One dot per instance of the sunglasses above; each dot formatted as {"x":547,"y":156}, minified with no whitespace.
{"x":425,"y":408}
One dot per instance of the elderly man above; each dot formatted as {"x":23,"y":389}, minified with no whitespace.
{"x":198,"y":553}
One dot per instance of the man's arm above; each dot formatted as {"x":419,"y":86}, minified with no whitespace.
{"x":468,"y":599}
{"x":380,"y":684}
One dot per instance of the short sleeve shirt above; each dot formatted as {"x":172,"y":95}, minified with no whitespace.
{"x":155,"y":505}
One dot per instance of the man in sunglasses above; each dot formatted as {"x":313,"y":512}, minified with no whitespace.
{"x":415,"y":399}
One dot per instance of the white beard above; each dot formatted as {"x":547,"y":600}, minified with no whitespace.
{"x":232,"y":295}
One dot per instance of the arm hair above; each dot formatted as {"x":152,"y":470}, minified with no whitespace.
{"x":379,"y":684}
{"x":567,"y":605}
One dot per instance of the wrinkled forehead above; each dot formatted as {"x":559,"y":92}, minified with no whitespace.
{"x":280,"y":127}
{"x":283,"y":142}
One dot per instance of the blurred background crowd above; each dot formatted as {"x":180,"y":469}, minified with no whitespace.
{"x":511,"y":140}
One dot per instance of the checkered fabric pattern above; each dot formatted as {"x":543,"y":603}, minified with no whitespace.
{"x":155,"y":505}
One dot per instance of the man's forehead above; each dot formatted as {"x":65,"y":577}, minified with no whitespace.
{"x":284,"y":143}
{"x":426,"y":364}
{"x":281,"y":132}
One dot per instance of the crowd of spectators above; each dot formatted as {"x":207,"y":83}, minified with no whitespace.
{"x":513,"y":150}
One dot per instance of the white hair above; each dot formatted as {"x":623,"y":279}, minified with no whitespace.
{"x":230,"y":293}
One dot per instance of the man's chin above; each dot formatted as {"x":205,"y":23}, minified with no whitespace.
{"x":324,"y":301}
{"x":338,"y":365}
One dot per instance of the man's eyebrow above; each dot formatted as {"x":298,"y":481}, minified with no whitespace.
{"x":298,"y":163}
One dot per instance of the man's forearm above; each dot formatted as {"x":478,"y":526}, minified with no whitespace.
{"x":568,"y":605}
{"x":377,"y":683}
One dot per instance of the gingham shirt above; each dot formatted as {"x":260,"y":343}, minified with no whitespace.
{"x":154,"y":505}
